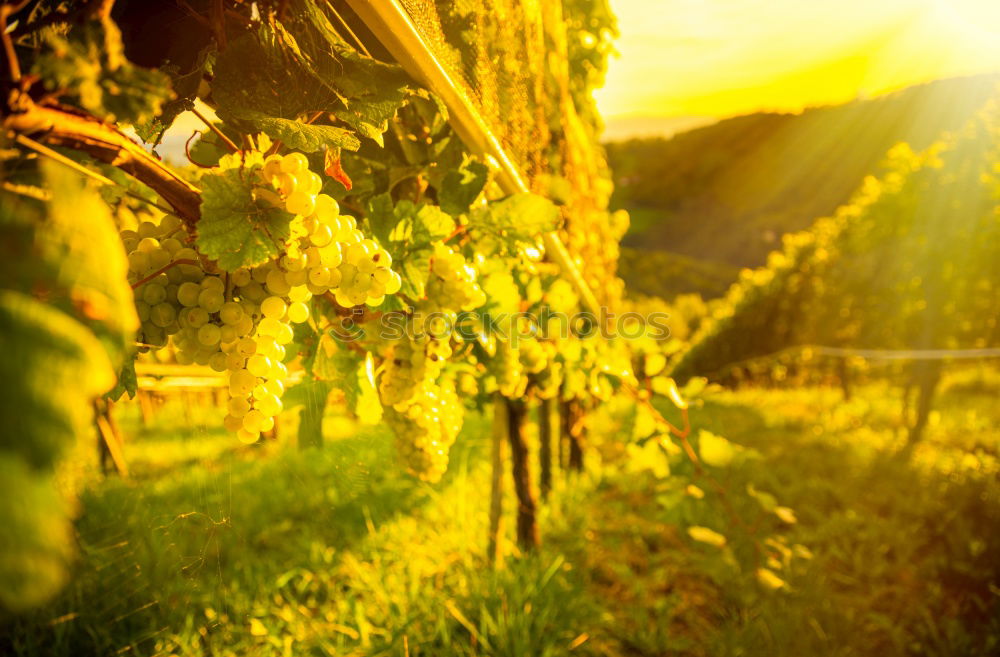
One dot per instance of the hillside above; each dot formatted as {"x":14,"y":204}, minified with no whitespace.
{"x":726,"y":193}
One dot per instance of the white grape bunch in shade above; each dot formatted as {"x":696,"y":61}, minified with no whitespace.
{"x":240,"y":322}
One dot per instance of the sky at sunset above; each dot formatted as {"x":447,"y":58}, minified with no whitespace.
{"x":685,"y":62}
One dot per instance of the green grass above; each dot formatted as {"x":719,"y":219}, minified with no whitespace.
{"x":219,"y":549}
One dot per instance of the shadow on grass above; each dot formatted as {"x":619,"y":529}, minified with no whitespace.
{"x":906,"y":555}
{"x":213,"y":540}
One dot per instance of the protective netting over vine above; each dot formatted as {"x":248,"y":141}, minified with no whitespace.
{"x":511,"y":60}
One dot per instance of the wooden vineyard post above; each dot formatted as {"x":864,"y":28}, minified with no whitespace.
{"x":109,"y":439}
{"x":572,"y":432}
{"x":527,"y":518}
{"x":498,"y":439}
{"x":545,"y":447}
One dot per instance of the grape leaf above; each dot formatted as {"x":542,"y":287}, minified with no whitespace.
{"x":236,"y":229}
{"x":127,"y":382}
{"x":372,"y":91}
{"x":462,"y":186}
{"x":303,"y":136}
{"x":185,"y":87}
{"x":381,"y":218}
{"x":260,"y":75}
{"x":89,"y":63}
{"x":415,"y":271}
{"x":417,"y":226}
{"x":519,"y":217}
{"x":354,"y":375}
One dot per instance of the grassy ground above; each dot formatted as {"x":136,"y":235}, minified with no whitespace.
{"x":215,"y":549}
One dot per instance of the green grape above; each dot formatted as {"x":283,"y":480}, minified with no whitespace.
{"x":272,"y":166}
{"x":276,"y":283}
{"x":235,"y":361}
{"x":311,"y":184}
{"x":213,"y":283}
{"x":231,"y":313}
{"x":142,"y":309}
{"x":326,"y":206}
{"x":171,"y":246}
{"x":252,"y":420}
{"x":241,"y":277}
{"x":218,"y":362}
{"x":195,"y":317}
{"x":228,"y":334}
{"x":425,"y":428}
{"x":233,"y":423}
{"x":246,"y":347}
{"x":147,"y":245}
{"x":209,"y":335}
{"x":259,"y":365}
{"x":211,"y":300}
{"x":153,"y":293}
{"x":322,"y":236}
{"x":248,"y":437}
{"x":294,"y":163}
{"x":298,"y":312}
{"x":289,"y":263}
{"x":241,"y":382}
{"x":159,"y":259}
{"x":238,"y":406}
{"x":319,"y":276}
{"x":138,"y":262}
{"x":269,"y":405}
{"x":285,"y":334}
{"x":299,"y":294}
{"x":296,"y":279}
{"x":162,"y":315}
{"x":202,"y":356}
{"x":300,"y":202}
{"x":187,"y":294}
{"x":147,"y":229}
{"x":254,"y":292}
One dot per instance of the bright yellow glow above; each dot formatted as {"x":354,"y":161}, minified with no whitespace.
{"x":717,"y":58}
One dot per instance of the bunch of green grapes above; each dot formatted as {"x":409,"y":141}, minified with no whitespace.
{"x":452,"y":285}
{"x":409,"y":364}
{"x":506,"y":367}
{"x":326,"y":251}
{"x":152,"y":248}
{"x":533,"y":355}
{"x":425,"y":427}
{"x":211,"y":321}
{"x":240,"y":322}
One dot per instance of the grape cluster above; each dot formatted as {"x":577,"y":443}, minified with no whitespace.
{"x":151,"y":248}
{"x":452,"y":285}
{"x":215,"y":319}
{"x":533,"y":355}
{"x":239,"y":322}
{"x":425,"y":427}
{"x":506,"y":367}
{"x":326,"y":251}
{"x":411,"y":362}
